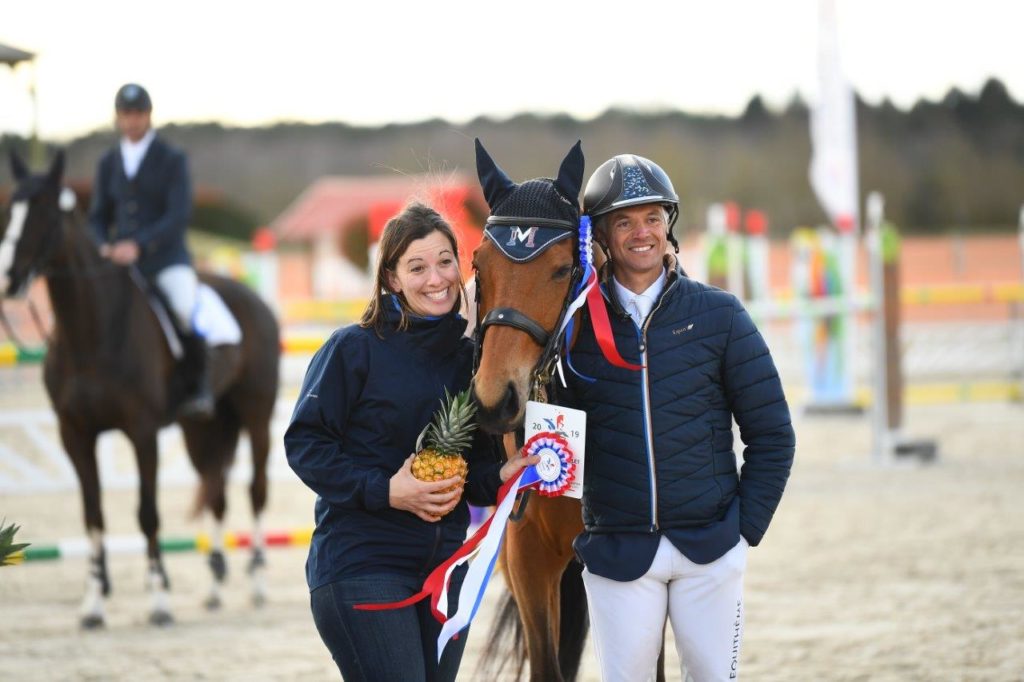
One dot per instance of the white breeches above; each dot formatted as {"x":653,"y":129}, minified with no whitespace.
{"x":180,"y":285}
{"x":704,"y":603}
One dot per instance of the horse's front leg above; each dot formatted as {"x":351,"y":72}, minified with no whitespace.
{"x":145,"y":443}
{"x":534,"y":575}
{"x":80,"y":445}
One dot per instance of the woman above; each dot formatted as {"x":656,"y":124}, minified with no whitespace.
{"x":367,"y":395}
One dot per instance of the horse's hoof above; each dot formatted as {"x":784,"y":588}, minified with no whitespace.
{"x":92,"y":622}
{"x":259,"y":600}
{"x":161,"y":618}
{"x":212,"y":603}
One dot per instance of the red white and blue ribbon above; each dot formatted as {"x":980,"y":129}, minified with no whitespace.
{"x":556,"y":467}
{"x":483,"y":548}
{"x":589,"y":292}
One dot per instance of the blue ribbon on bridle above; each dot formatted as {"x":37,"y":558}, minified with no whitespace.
{"x":586,"y":247}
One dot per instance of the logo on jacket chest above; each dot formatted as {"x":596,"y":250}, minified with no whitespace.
{"x":682,"y":330}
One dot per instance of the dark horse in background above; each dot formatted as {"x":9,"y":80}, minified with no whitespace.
{"x":108,"y":366}
{"x":521,"y":304}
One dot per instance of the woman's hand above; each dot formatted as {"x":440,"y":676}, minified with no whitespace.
{"x":515,"y":463}
{"x":424,"y":499}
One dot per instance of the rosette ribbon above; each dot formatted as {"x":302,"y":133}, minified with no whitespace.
{"x":556,"y":467}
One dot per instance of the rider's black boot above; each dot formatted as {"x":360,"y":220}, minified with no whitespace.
{"x":199,"y":401}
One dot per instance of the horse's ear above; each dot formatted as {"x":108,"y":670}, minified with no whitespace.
{"x":56,"y":172}
{"x":495,"y":183}
{"x":18,"y":167}
{"x":570,"y":173}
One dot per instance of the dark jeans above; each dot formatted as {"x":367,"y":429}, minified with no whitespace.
{"x":398,"y":645}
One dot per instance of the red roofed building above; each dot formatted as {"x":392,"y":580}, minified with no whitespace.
{"x":341,"y":219}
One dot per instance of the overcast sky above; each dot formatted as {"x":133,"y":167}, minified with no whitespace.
{"x":381,"y":61}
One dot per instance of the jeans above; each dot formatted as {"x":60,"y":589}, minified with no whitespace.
{"x":398,"y":645}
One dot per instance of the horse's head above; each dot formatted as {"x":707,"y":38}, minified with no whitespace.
{"x":525,"y":266}
{"x":32,"y":230}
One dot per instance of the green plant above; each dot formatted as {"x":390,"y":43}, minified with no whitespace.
{"x":8,"y":547}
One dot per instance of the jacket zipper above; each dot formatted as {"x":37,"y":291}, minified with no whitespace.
{"x":648,"y":430}
{"x":648,"y":422}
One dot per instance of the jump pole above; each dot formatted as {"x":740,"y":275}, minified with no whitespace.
{"x":73,"y":548}
{"x":889,"y":442}
{"x":881,"y":447}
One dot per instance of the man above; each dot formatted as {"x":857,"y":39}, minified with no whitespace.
{"x":141,"y":204}
{"x":668,"y":519}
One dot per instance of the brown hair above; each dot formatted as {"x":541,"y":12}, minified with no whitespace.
{"x":416,"y":221}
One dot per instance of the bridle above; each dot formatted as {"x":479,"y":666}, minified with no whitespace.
{"x":42,"y":265}
{"x":548,"y":340}
{"x":38,"y":265}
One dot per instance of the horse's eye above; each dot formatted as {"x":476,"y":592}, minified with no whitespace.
{"x":562,"y":272}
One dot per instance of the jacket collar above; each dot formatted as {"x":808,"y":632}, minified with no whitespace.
{"x":153,"y":151}
{"x":673,"y":270}
{"x":436,"y":335}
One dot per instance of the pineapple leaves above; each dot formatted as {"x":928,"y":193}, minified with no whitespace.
{"x":8,"y":547}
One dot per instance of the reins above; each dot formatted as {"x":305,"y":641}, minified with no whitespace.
{"x":9,"y":328}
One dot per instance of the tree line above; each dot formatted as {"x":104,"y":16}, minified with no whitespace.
{"x":954,"y":164}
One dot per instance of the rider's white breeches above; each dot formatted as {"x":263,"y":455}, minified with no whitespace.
{"x":180,"y":285}
{"x":704,"y":603}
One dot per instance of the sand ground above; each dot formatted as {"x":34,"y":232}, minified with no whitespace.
{"x":869,"y":572}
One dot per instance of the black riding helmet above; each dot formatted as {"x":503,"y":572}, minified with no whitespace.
{"x":132,"y":97}
{"x":630,"y":180}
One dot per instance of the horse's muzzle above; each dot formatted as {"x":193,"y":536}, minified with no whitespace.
{"x":503,"y":416}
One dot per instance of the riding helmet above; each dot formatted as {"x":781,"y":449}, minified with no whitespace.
{"x":630,"y":180}
{"x":132,"y":97}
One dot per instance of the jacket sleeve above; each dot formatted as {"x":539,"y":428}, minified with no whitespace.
{"x":100,"y":208}
{"x":170,"y":226}
{"x":758,"y":404}
{"x":313,"y":442}
{"x":485,"y":461}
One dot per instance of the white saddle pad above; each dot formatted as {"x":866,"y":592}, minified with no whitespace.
{"x":213,"y":321}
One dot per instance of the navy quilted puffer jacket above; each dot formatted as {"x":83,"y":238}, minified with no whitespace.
{"x":659,"y":441}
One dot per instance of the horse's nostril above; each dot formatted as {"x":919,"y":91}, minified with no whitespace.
{"x":510,"y":406}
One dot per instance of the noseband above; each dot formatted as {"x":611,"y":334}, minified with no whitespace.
{"x":548,"y":340}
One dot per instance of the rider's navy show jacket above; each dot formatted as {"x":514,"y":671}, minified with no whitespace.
{"x":362,"y":406}
{"x":152,"y":209}
{"x":659,"y":449}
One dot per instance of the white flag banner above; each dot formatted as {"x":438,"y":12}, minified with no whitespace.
{"x":833,"y":171}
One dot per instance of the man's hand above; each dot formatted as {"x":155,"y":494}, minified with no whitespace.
{"x":124,"y":252}
{"x":514,"y":464}
{"x":424,"y":499}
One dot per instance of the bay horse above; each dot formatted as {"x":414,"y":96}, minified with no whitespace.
{"x":525,"y":267}
{"x":109,"y":366}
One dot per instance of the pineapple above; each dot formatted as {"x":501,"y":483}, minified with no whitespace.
{"x":444,"y":439}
